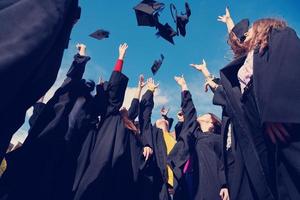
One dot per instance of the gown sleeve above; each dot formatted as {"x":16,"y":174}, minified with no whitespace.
{"x":37,"y":110}
{"x":76,"y":70}
{"x":116,"y":91}
{"x":178,"y":129}
{"x":133,"y":110}
{"x":100,"y":100}
{"x":146,"y":107}
{"x":170,"y":121}
{"x":219,"y":97}
{"x":221,"y":166}
{"x":181,"y":151}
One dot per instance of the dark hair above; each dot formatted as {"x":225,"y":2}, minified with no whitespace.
{"x":237,"y":47}
{"x":217,"y":123}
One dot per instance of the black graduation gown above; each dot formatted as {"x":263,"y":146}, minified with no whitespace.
{"x":209,"y":169}
{"x":208,"y":165}
{"x":33,"y":36}
{"x":237,"y":177}
{"x":82,"y":124}
{"x":110,"y":173}
{"x":178,"y":128}
{"x":45,"y":144}
{"x":37,"y":110}
{"x":83,"y":159}
{"x":251,"y":142}
{"x":148,"y":169}
{"x":156,"y":170}
{"x":276,"y":98}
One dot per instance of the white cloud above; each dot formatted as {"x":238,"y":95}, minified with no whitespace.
{"x":159,"y":98}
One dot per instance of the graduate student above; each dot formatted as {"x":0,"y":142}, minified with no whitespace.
{"x":164,"y":186}
{"x":202,"y":134}
{"x":47,"y":142}
{"x":237,"y":177}
{"x":111,"y":171}
{"x":267,"y":79}
{"x":34,"y":39}
{"x":244,"y":169}
{"x":147,"y":189}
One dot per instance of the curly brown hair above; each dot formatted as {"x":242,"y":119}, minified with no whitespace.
{"x":260,"y":36}
{"x":238,"y":48}
{"x":261,"y":33}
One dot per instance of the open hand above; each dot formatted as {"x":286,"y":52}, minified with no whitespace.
{"x":141,"y":83}
{"x":180,"y":80}
{"x":151,"y":84}
{"x":210,"y":83}
{"x":225,"y":18}
{"x":81,"y":49}
{"x":122,"y":50}
{"x":200,"y":67}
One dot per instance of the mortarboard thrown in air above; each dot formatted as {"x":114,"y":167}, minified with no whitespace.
{"x":181,"y":20}
{"x":241,"y":28}
{"x":100,"y":34}
{"x":166,"y":32}
{"x":147,"y":12}
{"x":157,"y":64}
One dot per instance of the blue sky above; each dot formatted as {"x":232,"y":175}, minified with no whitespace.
{"x":206,"y":38}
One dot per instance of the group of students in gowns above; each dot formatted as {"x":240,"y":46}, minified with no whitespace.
{"x":86,"y":146}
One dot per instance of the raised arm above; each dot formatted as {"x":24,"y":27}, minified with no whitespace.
{"x":117,"y":84}
{"x":78,"y":66}
{"x":100,"y":99}
{"x":181,"y":151}
{"x":146,"y":107}
{"x":38,"y":107}
{"x":210,"y":80}
{"x":164,"y":113}
{"x":227,"y":20}
{"x":187,"y":104}
{"x":133,"y":110}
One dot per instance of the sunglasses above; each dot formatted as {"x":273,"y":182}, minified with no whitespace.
{"x":180,"y":114}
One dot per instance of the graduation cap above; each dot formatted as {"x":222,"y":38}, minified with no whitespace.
{"x":100,"y":34}
{"x":166,"y":32}
{"x":147,"y":12}
{"x":241,"y":28}
{"x":156,"y":65}
{"x":181,"y":20}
